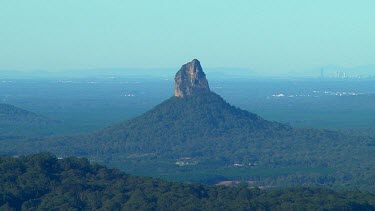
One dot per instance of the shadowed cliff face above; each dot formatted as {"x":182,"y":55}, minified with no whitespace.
{"x":190,"y":80}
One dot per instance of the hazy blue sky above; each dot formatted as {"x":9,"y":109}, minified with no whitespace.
{"x":265,"y":35}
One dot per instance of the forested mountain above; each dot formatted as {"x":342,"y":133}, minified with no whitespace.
{"x":196,"y":136}
{"x":20,"y":122}
{"x":44,"y":182}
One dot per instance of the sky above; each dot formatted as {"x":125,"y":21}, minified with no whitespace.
{"x":269,"y":36}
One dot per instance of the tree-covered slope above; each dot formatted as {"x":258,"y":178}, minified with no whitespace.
{"x":16,"y":121}
{"x":191,"y":124}
{"x":44,"y":182}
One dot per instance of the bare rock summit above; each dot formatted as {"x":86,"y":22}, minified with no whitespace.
{"x":190,"y":80}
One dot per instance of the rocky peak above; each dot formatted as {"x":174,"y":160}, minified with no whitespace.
{"x":190,"y":79}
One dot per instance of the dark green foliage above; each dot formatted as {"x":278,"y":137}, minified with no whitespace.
{"x":43,"y":182}
{"x":186,"y":124}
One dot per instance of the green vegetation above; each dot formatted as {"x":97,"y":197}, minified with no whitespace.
{"x":226,"y":143}
{"x":44,"y":182}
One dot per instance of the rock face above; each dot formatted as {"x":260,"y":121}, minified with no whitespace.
{"x":190,"y":80}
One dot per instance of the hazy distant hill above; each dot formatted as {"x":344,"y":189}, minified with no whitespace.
{"x":20,"y":122}
{"x":12,"y":114}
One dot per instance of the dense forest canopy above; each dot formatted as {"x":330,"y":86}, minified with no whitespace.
{"x":44,"y":182}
